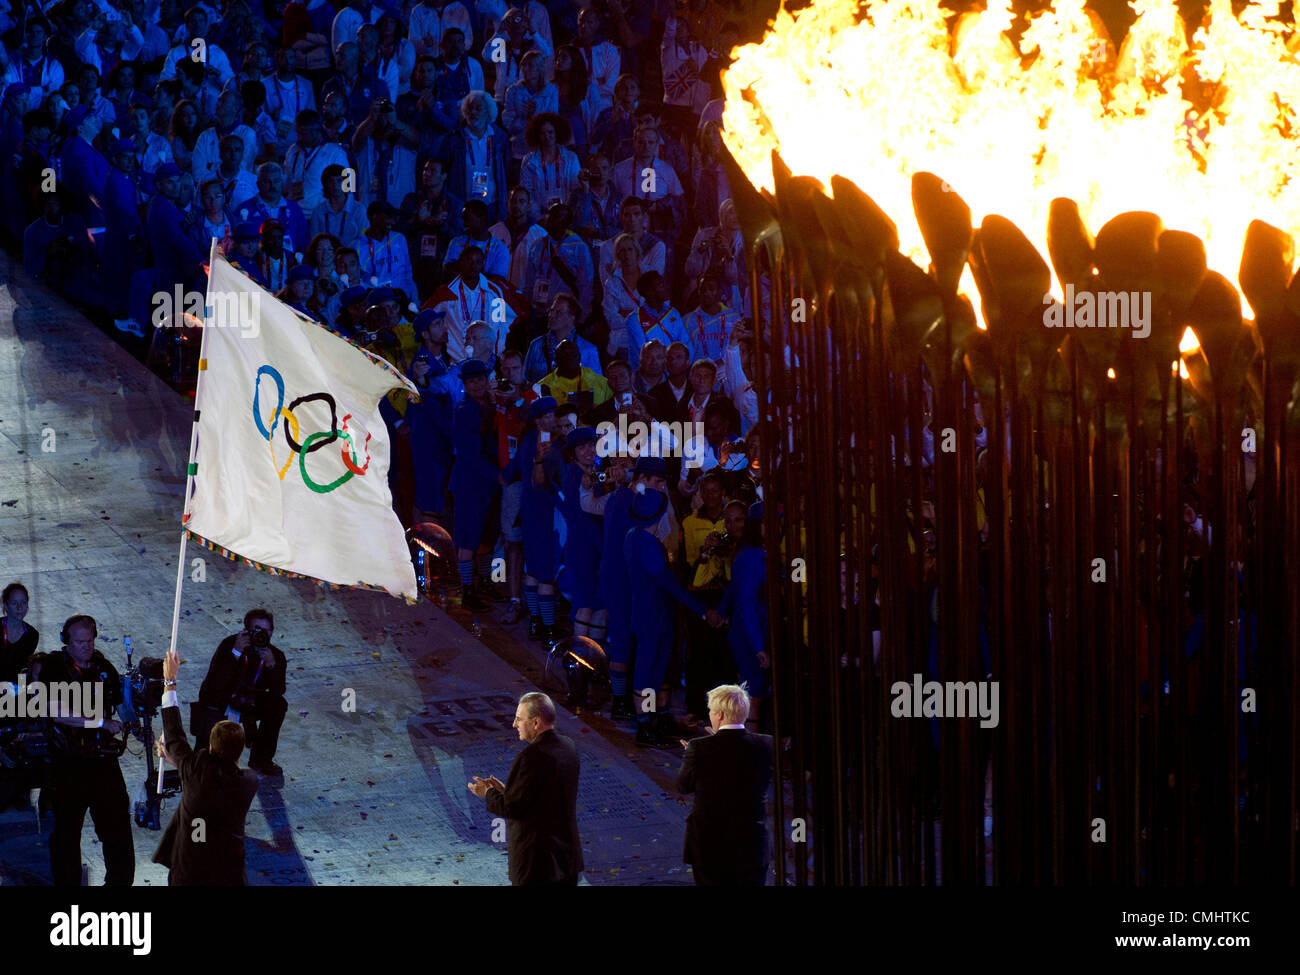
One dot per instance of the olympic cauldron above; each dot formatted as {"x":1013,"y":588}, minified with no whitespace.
{"x":1114,"y":525}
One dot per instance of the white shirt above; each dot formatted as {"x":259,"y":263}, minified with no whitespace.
{"x":306,"y":165}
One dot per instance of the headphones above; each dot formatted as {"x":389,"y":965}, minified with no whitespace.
{"x":78,"y":621}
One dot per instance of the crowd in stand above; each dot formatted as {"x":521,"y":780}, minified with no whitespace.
{"x":524,"y":209}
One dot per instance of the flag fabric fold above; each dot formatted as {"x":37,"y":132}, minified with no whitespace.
{"x":292,"y":457}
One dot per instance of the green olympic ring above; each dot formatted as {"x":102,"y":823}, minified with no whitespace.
{"x":302,"y":461}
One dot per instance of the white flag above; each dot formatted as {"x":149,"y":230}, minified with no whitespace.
{"x":292,"y":455}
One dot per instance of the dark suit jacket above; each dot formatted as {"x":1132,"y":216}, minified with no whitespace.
{"x":667,"y":407}
{"x":216,"y":791}
{"x":730,"y":773}
{"x":540,"y":806}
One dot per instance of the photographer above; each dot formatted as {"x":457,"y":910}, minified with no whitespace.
{"x":245,"y":684}
{"x":84,"y":771}
{"x":215,"y":793}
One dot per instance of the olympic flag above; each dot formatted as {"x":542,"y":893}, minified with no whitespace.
{"x":291,"y":456}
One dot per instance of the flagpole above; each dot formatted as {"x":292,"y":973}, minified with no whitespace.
{"x":189,"y":468}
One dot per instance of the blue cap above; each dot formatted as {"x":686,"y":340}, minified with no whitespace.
{"x":655,"y":466}
{"x":165,"y":170}
{"x":541,"y":405}
{"x":755,"y":511}
{"x":302,"y":272}
{"x":244,"y":231}
{"x":122,"y":145}
{"x":581,"y":435}
{"x":352,"y":295}
{"x":379,"y":295}
{"x":473,"y":367}
{"x":648,"y":506}
{"x":75,"y":117}
{"x":423,"y":319}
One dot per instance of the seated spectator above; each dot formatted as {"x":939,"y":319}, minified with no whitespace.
{"x":559,"y":263}
{"x":570,"y":380}
{"x":561,"y":326}
{"x":530,"y":96}
{"x":270,"y":203}
{"x":338,"y":213}
{"x":496,"y":256}
{"x":550,"y":170}
{"x":382,"y":251}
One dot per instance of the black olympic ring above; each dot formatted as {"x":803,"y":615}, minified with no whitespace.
{"x":334,"y":423}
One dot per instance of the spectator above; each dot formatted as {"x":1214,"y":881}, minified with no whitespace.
{"x":324,"y":303}
{"x":561,"y":326}
{"x":652,"y":368}
{"x":431,"y":18}
{"x":270,"y":204}
{"x":476,"y":154}
{"x":709,"y":325}
{"x":306,"y":160}
{"x":513,"y":396}
{"x":373,"y":64}
{"x":338,"y":213}
{"x":531,"y":95}
{"x":469,"y":297}
{"x":429,"y":218}
{"x":571,"y":381}
{"x":505,"y":50}
{"x":384,"y":148}
{"x":88,"y":83}
{"x":151,"y":150}
{"x":646,"y":176}
{"x":518,"y":232}
{"x":632,"y":220}
{"x":359,"y":89}
{"x":672,"y":396}
{"x":615,"y":125}
{"x":681,"y":57}
{"x":183,"y":134}
{"x":475,"y":481}
{"x":578,"y":99}
{"x":456,"y":74}
{"x":350,"y":18}
{"x":248,"y":245}
{"x":300,"y":286}
{"x":708,"y":655}
{"x":382,"y":251}
{"x":430,"y":418}
{"x":594,"y":202}
{"x":288,"y":95}
{"x":207,"y":148}
{"x":273,"y":261}
{"x":41,"y":72}
{"x":18,"y":640}
{"x":656,"y":318}
{"x":550,"y":170}
{"x":214,"y":59}
{"x":599,"y":56}
{"x":496,"y":256}
{"x":622,"y":299}
{"x":559,"y":263}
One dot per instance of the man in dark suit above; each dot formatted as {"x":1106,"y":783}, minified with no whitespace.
{"x":672,"y":397}
{"x":539,"y":800}
{"x":204,"y":843}
{"x":730,"y":773}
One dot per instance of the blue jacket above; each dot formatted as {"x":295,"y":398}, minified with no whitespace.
{"x":651,"y":584}
{"x":476,"y":452}
{"x":176,"y":258}
{"x":745,"y":599}
{"x":84,"y":174}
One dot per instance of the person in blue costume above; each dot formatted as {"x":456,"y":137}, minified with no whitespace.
{"x":84,"y":170}
{"x":475,"y":481}
{"x":123,"y":229}
{"x":583,"y":532}
{"x":653,"y":589}
{"x":430,"y":419}
{"x":537,"y":514}
{"x":300,"y":282}
{"x":744,"y":604}
{"x":613,"y":586}
{"x":248,"y":238}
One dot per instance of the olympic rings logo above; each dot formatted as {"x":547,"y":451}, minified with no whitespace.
{"x":316,"y":441}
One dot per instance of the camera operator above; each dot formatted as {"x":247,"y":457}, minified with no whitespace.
{"x":214,"y":792}
{"x":84,"y":770}
{"x":245,"y":684}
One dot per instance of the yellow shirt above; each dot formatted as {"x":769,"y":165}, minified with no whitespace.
{"x":586,"y":379}
{"x":695,"y":530}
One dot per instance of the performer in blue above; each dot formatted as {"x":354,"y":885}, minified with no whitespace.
{"x":123,"y":232}
{"x":537,"y":515}
{"x":248,"y":240}
{"x":475,"y":481}
{"x":744,"y":602}
{"x":583,"y":535}
{"x":613,"y":589}
{"x":430,"y":419}
{"x":84,"y":170}
{"x":177,"y":260}
{"x":654,"y":589}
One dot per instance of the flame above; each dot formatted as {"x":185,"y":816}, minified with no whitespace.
{"x":1203,"y":134}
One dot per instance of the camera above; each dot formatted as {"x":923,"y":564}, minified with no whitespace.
{"x":260,"y":639}
{"x":384,"y":106}
{"x":503,"y":385}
